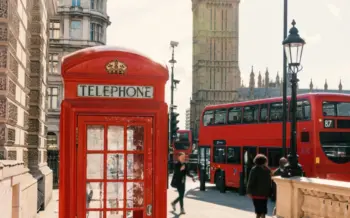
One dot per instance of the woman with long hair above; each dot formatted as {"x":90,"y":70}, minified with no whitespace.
{"x":259,"y":185}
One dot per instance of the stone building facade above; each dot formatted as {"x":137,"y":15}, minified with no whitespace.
{"x":188,"y":119}
{"x":215,"y":70}
{"x":78,"y":24}
{"x":23,"y":79}
{"x":266,"y":87}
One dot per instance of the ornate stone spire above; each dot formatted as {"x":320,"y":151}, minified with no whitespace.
{"x":311,"y":85}
{"x":278,"y":81}
{"x":242,"y":84}
{"x":340,"y":86}
{"x":259,"y":80}
{"x":267,"y":81}
{"x":325,"y":85}
{"x":252,"y":79}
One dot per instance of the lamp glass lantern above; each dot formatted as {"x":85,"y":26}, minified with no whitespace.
{"x":293,"y":47}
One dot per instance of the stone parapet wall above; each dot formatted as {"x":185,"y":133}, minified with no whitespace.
{"x":18,"y":190}
{"x":310,"y":198}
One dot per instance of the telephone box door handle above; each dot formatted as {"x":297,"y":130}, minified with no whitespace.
{"x":149,"y":210}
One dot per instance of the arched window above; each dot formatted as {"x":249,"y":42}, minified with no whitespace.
{"x":51,"y":140}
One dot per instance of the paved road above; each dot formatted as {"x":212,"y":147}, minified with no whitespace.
{"x":198,"y":204}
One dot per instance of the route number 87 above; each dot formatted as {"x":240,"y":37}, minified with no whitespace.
{"x":328,"y":123}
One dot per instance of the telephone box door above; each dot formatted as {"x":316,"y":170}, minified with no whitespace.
{"x":114,"y":167}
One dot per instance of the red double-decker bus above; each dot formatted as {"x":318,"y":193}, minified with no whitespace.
{"x":184,"y":143}
{"x":232,"y":134}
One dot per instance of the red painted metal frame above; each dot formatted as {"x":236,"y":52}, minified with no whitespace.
{"x":105,"y":122}
{"x":88,"y":67}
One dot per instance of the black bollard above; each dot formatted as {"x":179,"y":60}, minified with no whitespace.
{"x":202,"y":180}
{"x":241,"y":184}
{"x":222,"y":186}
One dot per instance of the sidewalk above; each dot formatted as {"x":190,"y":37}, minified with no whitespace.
{"x":51,"y":210}
{"x":198,"y":204}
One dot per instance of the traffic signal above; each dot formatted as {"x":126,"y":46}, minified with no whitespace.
{"x":173,"y":124}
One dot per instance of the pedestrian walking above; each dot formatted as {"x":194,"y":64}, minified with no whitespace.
{"x":259,"y":185}
{"x":278,"y":172}
{"x":179,"y":181}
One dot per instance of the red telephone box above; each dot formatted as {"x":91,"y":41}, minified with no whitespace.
{"x":113,"y":135}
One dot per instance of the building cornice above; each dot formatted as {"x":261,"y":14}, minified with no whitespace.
{"x":79,"y":11}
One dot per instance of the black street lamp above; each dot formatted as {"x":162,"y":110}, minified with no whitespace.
{"x":293,"y":47}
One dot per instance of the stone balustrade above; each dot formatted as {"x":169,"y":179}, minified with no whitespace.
{"x":18,"y":191}
{"x":301,"y":197}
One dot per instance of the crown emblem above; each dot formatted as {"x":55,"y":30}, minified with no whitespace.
{"x":116,"y":67}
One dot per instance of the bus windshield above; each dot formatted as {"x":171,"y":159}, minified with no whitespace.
{"x":182,"y":137}
{"x":336,"y":146}
{"x":341,"y":109}
{"x":182,"y":145}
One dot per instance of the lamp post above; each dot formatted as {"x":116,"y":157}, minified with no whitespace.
{"x":293,"y":47}
{"x":173,"y":83}
{"x":284,"y":105}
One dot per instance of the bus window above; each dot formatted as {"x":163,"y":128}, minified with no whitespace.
{"x":235,"y":115}
{"x":233,"y":155}
{"x":307,"y":110}
{"x":250,"y":114}
{"x":219,"y":155}
{"x":328,"y":108}
{"x":303,"y":110}
{"x":264,"y":116}
{"x":343,"y":109}
{"x":220,"y":116}
{"x":276,"y":112}
{"x":274,"y":155}
{"x":208,"y":118}
{"x":336,"y":146}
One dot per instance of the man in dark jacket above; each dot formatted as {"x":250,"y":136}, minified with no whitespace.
{"x":179,"y":181}
{"x":278,"y":172}
{"x":259,"y":185}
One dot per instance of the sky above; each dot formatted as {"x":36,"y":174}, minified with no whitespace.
{"x":149,"y":25}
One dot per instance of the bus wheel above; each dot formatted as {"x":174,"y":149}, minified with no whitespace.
{"x":221,"y":181}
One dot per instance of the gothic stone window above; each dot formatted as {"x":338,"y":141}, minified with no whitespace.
{"x":96,"y":32}
{"x":51,"y":140}
{"x":55,"y":29}
{"x":53,"y":63}
{"x":53,"y":97}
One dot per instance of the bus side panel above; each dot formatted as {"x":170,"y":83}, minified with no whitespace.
{"x":232,"y":173}
{"x":305,"y":148}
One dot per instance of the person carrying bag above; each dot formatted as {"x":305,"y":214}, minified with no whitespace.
{"x":179,"y":181}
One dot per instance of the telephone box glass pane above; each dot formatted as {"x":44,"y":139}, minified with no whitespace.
{"x":115,"y":138}
{"x":95,"y":139}
{"x":135,"y":138}
{"x":115,"y":166}
{"x":135,"y":194}
{"x":135,"y":166}
{"x":115,"y":214}
{"x":94,"y":195}
{"x":94,"y":166}
{"x":115,"y":195}
{"x":94,"y":214}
